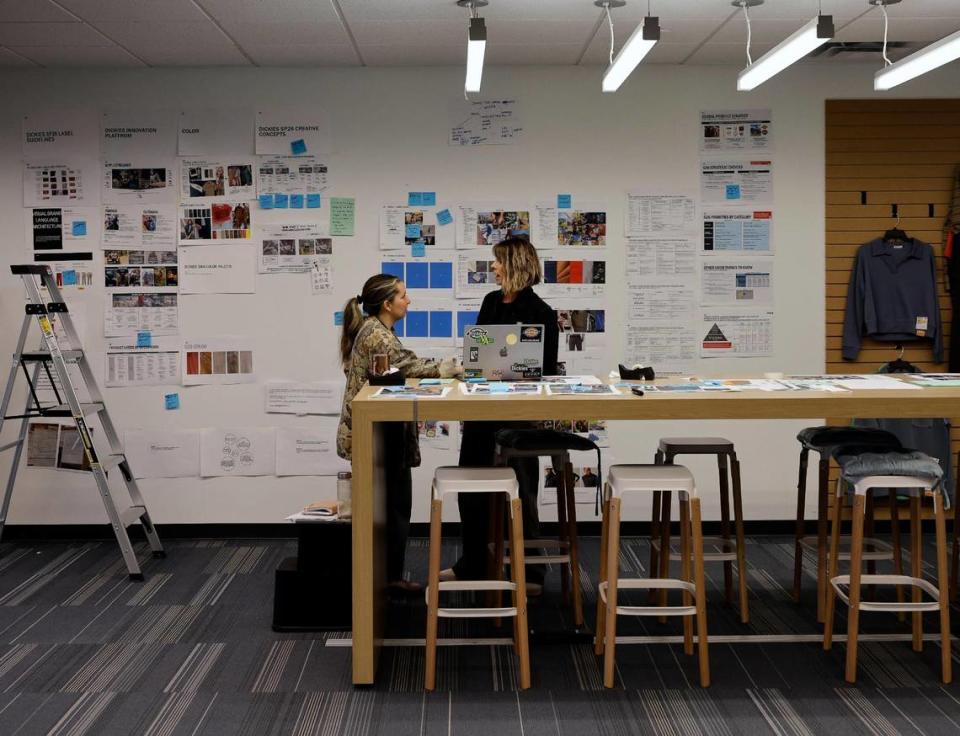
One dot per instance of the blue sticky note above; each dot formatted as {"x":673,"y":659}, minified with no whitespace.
{"x":733,"y":191}
{"x":499,"y":388}
{"x":70,"y":278}
{"x":313,"y":201}
{"x":414,"y":199}
{"x":171,"y":401}
{"x":144,"y":339}
{"x":266,"y":201}
{"x":418,"y":249}
{"x":296,"y":201}
{"x":564,"y":201}
{"x":418,"y":324}
{"x":441,"y":275}
{"x":338,"y":319}
{"x":281,"y":201}
{"x":418,"y":275}
{"x":441,"y":324}
{"x":412,"y":230}
{"x":79,"y":228}
{"x":428,"y":199}
{"x":444,"y":217}
{"x":298,"y":147}
{"x":393,"y":268}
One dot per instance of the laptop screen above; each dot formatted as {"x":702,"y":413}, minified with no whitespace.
{"x":503,"y":352}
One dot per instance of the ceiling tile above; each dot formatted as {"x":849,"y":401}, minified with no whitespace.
{"x":39,"y":11}
{"x":732,"y":54}
{"x":277,"y":11}
{"x":78,"y":56}
{"x":303,"y":55}
{"x":134,"y":10}
{"x":527,"y":54}
{"x":284,"y":33}
{"x":9,"y":59}
{"x":50,"y":34}
{"x":208,"y":55}
{"x":424,"y":55}
{"x":764,"y":31}
{"x":662,"y":53}
{"x":158,"y":34}
{"x":375,"y":10}
{"x":901,"y":29}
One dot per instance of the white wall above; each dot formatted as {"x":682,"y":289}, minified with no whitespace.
{"x":389,"y":138}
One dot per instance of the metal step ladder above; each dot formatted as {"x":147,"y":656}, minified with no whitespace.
{"x":67,"y":404}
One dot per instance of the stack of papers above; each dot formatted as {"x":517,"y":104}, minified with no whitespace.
{"x":501,"y":388}
{"x":590,"y":389}
{"x":935,"y":379}
{"x":411,"y":392}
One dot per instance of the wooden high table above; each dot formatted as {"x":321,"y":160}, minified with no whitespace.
{"x":369,"y":518}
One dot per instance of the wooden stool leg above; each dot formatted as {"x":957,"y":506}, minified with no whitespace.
{"x":955,"y":567}
{"x":610,"y":628}
{"x":665,"y":501}
{"x":564,"y":491}
{"x":725,"y":525}
{"x":433,"y":597}
{"x":856,"y":561}
{"x":518,"y":573}
{"x":600,"y":623}
{"x":573,"y":550}
{"x":700,"y":585}
{"x":916,"y":567}
{"x":741,"y":541}
{"x":685,"y":570}
{"x":830,"y":602}
{"x":897,"y":548}
{"x":798,"y":532}
{"x":943,"y":588}
{"x":823,"y":503}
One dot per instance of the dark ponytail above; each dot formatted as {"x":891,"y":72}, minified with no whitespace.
{"x":377,"y":290}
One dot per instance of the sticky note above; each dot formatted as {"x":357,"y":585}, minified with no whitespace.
{"x":298,"y":147}
{"x":733,"y":191}
{"x":428,"y":199}
{"x":296,"y":201}
{"x":171,"y":401}
{"x":70,"y":278}
{"x":313,"y":201}
{"x":266,"y":201}
{"x":429,"y":381}
{"x":414,"y":199}
{"x":444,"y":217}
{"x":144,"y":339}
{"x":338,"y":319}
{"x":79,"y":228}
{"x":342,"y":211}
{"x":412,"y":230}
{"x":564,"y":201}
{"x":418,"y":249}
{"x":281,"y":201}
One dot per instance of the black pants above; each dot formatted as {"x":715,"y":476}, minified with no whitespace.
{"x":399,"y":484}
{"x":477,"y":447}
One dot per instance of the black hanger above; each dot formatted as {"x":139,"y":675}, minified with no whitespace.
{"x":900,"y":365}
{"x":895,"y":233}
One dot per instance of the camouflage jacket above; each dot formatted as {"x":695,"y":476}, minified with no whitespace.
{"x":372,"y":339}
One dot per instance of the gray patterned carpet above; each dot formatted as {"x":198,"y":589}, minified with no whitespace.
{"x":191,"y":651}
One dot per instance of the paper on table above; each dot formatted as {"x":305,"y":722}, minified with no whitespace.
{"x":163,"y":453}
{"x":874,"y":383}
{"x":238,"y":451}
{"x":292,"y":397}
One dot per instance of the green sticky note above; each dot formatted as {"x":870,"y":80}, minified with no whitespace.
{"x":342,"y":214}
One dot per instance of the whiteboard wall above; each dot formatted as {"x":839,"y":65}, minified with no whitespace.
{"x":390,"y":137}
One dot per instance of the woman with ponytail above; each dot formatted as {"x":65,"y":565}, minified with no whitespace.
{"x":368,"y":321}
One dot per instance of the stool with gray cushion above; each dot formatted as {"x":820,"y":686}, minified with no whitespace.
{"x":825,"y":440}
{"x":918,"y":475}
{"x":557,"y":445}
{"x":728,"y":549}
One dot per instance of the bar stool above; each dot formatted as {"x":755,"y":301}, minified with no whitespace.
{"x":624,"y":479}
{"x":826,"y":440}
{"x":730,"y":550}
{"x":925,"y":476}
{"x":557,"y":445}
{"x":456,"y":480}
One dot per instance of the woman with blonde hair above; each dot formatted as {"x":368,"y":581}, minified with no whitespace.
{"x":368,"y":321}
{"x":517,"y":270}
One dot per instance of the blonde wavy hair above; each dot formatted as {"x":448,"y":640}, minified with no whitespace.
{"x":521,"y":265}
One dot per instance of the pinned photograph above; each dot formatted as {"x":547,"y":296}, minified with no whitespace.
{"x":581,"y":228}
{"x":495,"y":227}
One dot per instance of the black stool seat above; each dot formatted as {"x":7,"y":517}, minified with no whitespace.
{"x":547,"y":441}
{"x":824,"y":438}
{"x":695,"y":445}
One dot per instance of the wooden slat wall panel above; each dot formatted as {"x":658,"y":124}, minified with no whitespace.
{"x":879,"y":154}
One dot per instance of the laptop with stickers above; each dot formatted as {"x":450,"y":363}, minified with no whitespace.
{"x":503,"y":352}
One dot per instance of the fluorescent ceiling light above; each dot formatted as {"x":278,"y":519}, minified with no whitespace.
{"x":643,"y":39}
{"x":816,"y":33}
{"x":926,"y":59}
{"x":476,"y":46}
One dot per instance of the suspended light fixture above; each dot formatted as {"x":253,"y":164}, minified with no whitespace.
{"x":813,"y":35}
{"x":643,"y":38}
{"x":926,"y":59}
{"x":476,"y":45}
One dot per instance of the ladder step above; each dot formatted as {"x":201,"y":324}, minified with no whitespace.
{"x":28,"y":269}
{"x":111,"y":461}
{"x":62,"y":410}
{"x":41,"y":356}
{"x":132,"y":515}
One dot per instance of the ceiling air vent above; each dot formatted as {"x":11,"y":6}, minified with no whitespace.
{"x":862,"y":50}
